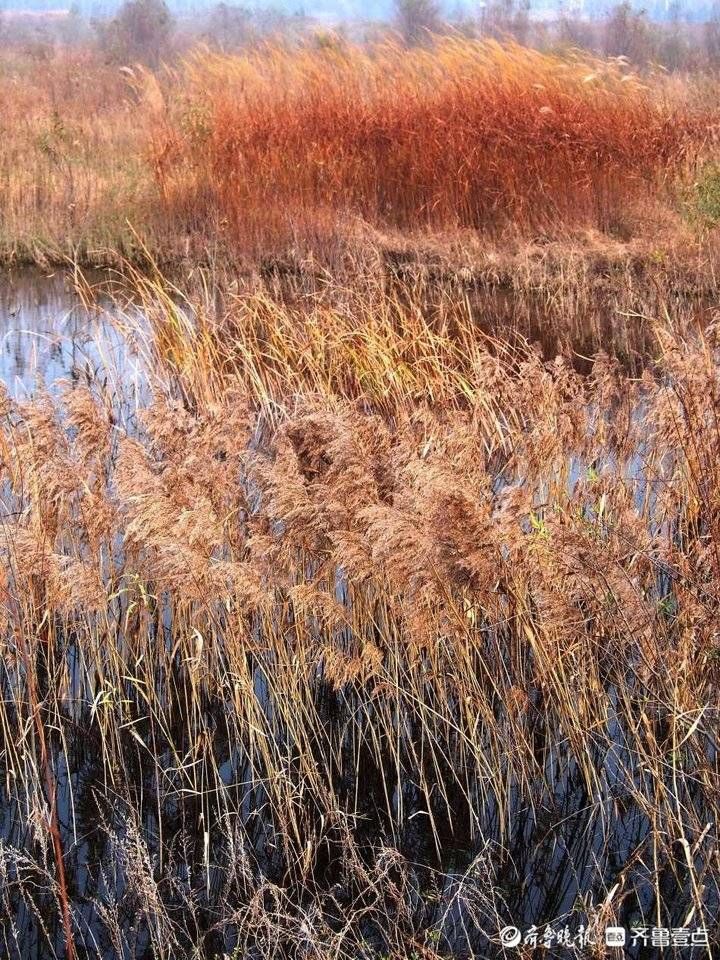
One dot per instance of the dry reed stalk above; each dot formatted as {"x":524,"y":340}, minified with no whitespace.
{"x":354,"y":572}
{"x":465,"y":134}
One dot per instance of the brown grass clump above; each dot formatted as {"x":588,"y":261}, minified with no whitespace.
{"x":319,"y":155}
{"x":276,"y":144}
{"x":72,"y":172}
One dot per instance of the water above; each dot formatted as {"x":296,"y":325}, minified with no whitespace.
{"x":50,"y":339}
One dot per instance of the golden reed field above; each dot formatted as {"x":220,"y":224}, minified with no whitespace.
{"x":359,"y":595}
{"x":307,"y":145}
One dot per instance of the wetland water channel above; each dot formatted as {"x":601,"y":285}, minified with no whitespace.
{"x":148,"y":831}
{"x":47,"y":335}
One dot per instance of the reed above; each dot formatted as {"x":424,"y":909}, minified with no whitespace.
{"x":323,"y":149}
{"x":321,"y":612}
{"x":362,"y":624}
{"x":72,"y":172}
{"x":473,"y":134}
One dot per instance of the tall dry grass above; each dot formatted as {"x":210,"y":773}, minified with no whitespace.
{"x":322,"y":147}
{"x":362,"y":626}
{"x":71,"y":158}
{"x":360,"y":653}
{"x":276,"y":144}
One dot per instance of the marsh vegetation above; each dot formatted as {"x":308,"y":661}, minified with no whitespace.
{"x":360,"y":527}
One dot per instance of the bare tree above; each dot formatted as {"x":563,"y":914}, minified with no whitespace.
{"x":711,"y":37}
{"x":506,"y":18}
{"x":230,"y":26}
{"x":415,"y":19}
{"x":628,"y":34}
{"x":141,"y":31}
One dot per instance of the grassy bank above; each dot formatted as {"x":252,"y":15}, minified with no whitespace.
{"x":309,"y":149}
{"x":72,"y":163}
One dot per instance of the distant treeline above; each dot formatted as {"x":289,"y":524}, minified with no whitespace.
{"x":660,"y":11}
{"x":670,"y":35}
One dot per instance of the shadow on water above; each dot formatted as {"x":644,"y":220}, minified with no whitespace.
{"x":205,"y":854}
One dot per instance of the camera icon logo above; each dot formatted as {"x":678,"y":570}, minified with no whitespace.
{"x":615,"y":936}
